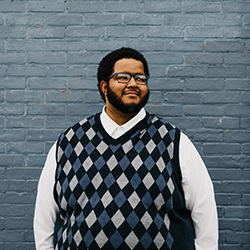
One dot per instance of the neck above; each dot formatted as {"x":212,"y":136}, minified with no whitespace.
{"x":117,"y":116}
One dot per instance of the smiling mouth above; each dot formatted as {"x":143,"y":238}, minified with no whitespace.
{"x":131,"y":92}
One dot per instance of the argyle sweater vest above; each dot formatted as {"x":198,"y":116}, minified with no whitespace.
{"x":123,"y":193}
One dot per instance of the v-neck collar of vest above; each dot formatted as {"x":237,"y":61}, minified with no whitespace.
{"x":125,"y":137}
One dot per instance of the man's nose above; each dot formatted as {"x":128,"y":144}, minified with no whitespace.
{"x":132,"y":81}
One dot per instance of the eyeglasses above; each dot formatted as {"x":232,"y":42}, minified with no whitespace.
{"x":124,"y":78}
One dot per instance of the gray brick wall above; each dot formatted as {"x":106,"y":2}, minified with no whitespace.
{"x":198,"y":53}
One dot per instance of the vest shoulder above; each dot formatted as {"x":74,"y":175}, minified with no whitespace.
{"x":158,"y":122}
{"x":85,"y":124}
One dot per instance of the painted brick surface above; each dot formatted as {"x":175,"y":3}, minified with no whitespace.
{"x":199,"y":59}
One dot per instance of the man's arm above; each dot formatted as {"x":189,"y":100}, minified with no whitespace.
{"x":46,"y":208}
{"x":199,"y":196}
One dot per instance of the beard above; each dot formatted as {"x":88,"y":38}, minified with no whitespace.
{"x":126,"y":108}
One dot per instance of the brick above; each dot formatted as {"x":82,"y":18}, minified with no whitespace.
{"x":19,"y":223}
{"x":245,"y":97}
{"x":9,"y":160}
{"x":185,"y":46}
{"x":1,"y":20}
{"x":239,"y":7}
{"x":237,"y":32}
{"x":64,"y":97}
{"x":225,"y":122}
{"x":201,"y":7}
{"x":203,"y":58}
{"x":103,"y":20}
{"x":238,"y":59}
{"x":12,"y":109}
{"x":27,"y":71}
{"x":237,"y":136}
{"x":222,"y":20}
{"x":46,"y":57}
{"x":24,"y":122}
{"x":8,"y":135}
{"x":45,"y":6}
{"x":44,"y":135}
{"x":45,"y":32}
{"x":186,"y":71}
{"x":246,"y":225}
{"x":12,"y":32}
{"x":13,"y":83}
{"x":237,"y":110}
{"x":221,"y":97}
{"x":92,"y":97}
{"x":13,"y":7}
{"x":171,"y":110}
{"x":228,"y":199}
{"x":246,"y":20}
{"x":2,"y":45}
{"x":16,"y":185}
{"x":80,"y":31}
{"x":203,"y":110}
{"x":162,"y":7}
{"x":117,"y":7}
{"x":81,"y":83}
{"x":205,"y":135}
{"x":164,"y":58}
{"x":71,"y":71}
{"x":64,"y":19}
{"x":20,"y":96}
{"x":24,"y":45}
{"x":45,"y":109}
{"x":22,"y":173}
{"x":24,"y":147}
{"x":222,"y":175}
{"x":227,"y":72}
{"x":204,"y":32}
{"x":58,"y":45}
{"x":227,"y":224}
{"x":204,"y":84}
{"x":124,"y":31}
{"x":87,"y":58}
{"x":46,"y":83}
{"x":87,"y":7}
{"x":239,"y":84}
{"x":165,"y":32}
{"x":82,"y":110}
{"x":224,"y":46}
{"x":182,"y":19}
{"x":221,"y":148}
{"x":134,"y":19}
{"x":13,"y":58}
{"x":24,"y":19}
{"x":106,"y":46}
{"x":61,"y":123}
{"x":19,"y":198}
{"x":166,"y":84}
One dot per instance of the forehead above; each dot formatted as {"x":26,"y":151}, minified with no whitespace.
{"x":129,"y":65}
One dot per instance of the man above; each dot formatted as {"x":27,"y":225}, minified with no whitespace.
{"x":124,"y":179}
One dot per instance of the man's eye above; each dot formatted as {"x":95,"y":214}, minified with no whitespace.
{"x":123,"y":77}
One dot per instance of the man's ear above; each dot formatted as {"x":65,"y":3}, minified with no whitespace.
{"x":104,"y":87}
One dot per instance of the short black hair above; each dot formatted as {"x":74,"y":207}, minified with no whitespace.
{"x":106,"y":66}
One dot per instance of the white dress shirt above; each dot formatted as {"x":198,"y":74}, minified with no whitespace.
{"x":196,"y":183}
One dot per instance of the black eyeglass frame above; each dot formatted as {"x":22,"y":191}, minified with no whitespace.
{"x":131,"y":75}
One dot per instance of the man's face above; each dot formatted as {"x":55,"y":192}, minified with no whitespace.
{"x":128,"y":98}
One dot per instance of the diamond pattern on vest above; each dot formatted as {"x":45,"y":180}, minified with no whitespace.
{"x":115,"y":196}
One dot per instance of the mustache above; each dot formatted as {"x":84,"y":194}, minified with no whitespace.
{"x":131,"y":89}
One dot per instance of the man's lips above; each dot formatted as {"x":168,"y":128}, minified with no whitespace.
{"x":131,"y":92}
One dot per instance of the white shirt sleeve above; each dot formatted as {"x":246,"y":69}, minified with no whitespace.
{"x":199,"y":196}
{"x":46,"y":208}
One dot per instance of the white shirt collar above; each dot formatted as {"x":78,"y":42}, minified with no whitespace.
{"x":113,"y":129}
